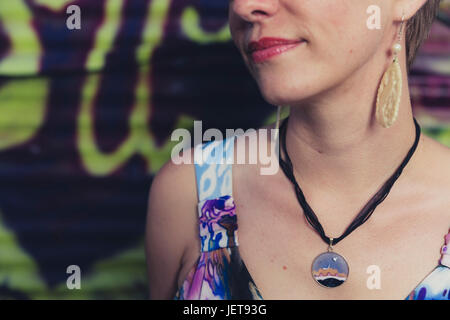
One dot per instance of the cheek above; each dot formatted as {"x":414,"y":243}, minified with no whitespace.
{"x":346,"y":38}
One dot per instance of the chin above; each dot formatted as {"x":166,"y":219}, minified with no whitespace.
{"x":290,"y":87}
{"x":279,"y":95}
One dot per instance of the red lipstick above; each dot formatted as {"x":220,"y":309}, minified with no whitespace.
{"x":267,"y":48}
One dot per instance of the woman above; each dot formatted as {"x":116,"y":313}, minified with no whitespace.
{"x":348,"y":135}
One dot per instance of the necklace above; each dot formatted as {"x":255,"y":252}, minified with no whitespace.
{"x":330,"y":269}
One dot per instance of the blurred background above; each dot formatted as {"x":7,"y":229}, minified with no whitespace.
{"x":85,"y":122}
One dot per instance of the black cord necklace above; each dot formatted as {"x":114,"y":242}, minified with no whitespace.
{"x":330,"y":269}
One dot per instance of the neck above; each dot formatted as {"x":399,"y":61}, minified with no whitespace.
{"x":337,"y":147}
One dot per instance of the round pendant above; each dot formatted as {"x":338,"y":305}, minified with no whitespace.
{"x":330,"y":269}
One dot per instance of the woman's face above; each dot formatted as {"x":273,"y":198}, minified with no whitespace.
{"x":337,"y":43}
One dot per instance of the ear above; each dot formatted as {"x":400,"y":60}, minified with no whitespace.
{"x":408,"y":8}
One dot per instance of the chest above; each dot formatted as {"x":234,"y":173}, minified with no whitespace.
{"x":388,"y":256}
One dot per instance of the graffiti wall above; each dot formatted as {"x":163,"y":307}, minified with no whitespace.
{"x":86,"y":116}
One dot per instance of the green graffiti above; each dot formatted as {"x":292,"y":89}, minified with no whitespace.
{"x":139,"y":140}
{"x":26,"y":51}
{"x":190,"y":24}
{"x":153,"y":30}
{"x":118,"y":277}
{"x":105,"y":35}
{"x":23,"y":110}
{"x":18,"y":271}
{"x":122,"y":276}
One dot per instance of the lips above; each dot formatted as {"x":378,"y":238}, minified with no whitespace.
{"x":267,"y":48}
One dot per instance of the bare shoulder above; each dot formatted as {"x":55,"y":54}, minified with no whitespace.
{"x":171,"y":226}
{"x":437,"y":169}
{"x":173,"y":193}
{"x":438,"y":156}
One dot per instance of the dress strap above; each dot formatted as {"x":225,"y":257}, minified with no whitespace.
{"x":436,"y":286}
{"x":213,"y":168}
{"x":216,"y":208}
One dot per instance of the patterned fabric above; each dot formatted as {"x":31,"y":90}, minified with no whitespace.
{"x":218,"y":224}
{"x":213,"y":168}
{"x":436,"y":286}
{"x":220,"y":273}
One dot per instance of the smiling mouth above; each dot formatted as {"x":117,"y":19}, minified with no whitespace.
{"x":269,"y":47}
{"x":262,"y":54}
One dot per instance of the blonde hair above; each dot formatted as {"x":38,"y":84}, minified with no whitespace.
{"x":418,"y":28}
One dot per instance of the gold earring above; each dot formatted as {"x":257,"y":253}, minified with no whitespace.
{"x":277,"y":125}
{"x":278,"y":117}
{"x":390,"y":89}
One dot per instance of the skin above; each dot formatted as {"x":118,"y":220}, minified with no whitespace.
{"x":340,"y":154}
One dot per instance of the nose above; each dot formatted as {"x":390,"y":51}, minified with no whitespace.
{"x":254,"y":10}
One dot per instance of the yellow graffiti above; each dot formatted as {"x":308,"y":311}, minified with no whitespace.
{"x":153,"y":30}
{"x":26,"y":50}
{"x":190,"y":24}
{"x":109,"y":278}
{"x":116,"y":277}
{"x":139,"y":139}
{"x":18,"y":270}
{"x":105,"y":35}
{"x":54,"y":5}
{"x":22,"y":109}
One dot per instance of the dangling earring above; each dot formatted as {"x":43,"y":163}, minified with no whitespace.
{"x":278,"y":117}
{"x":390,"y":89}
{"x":275,"y":137}
{"x":277,"y":125}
